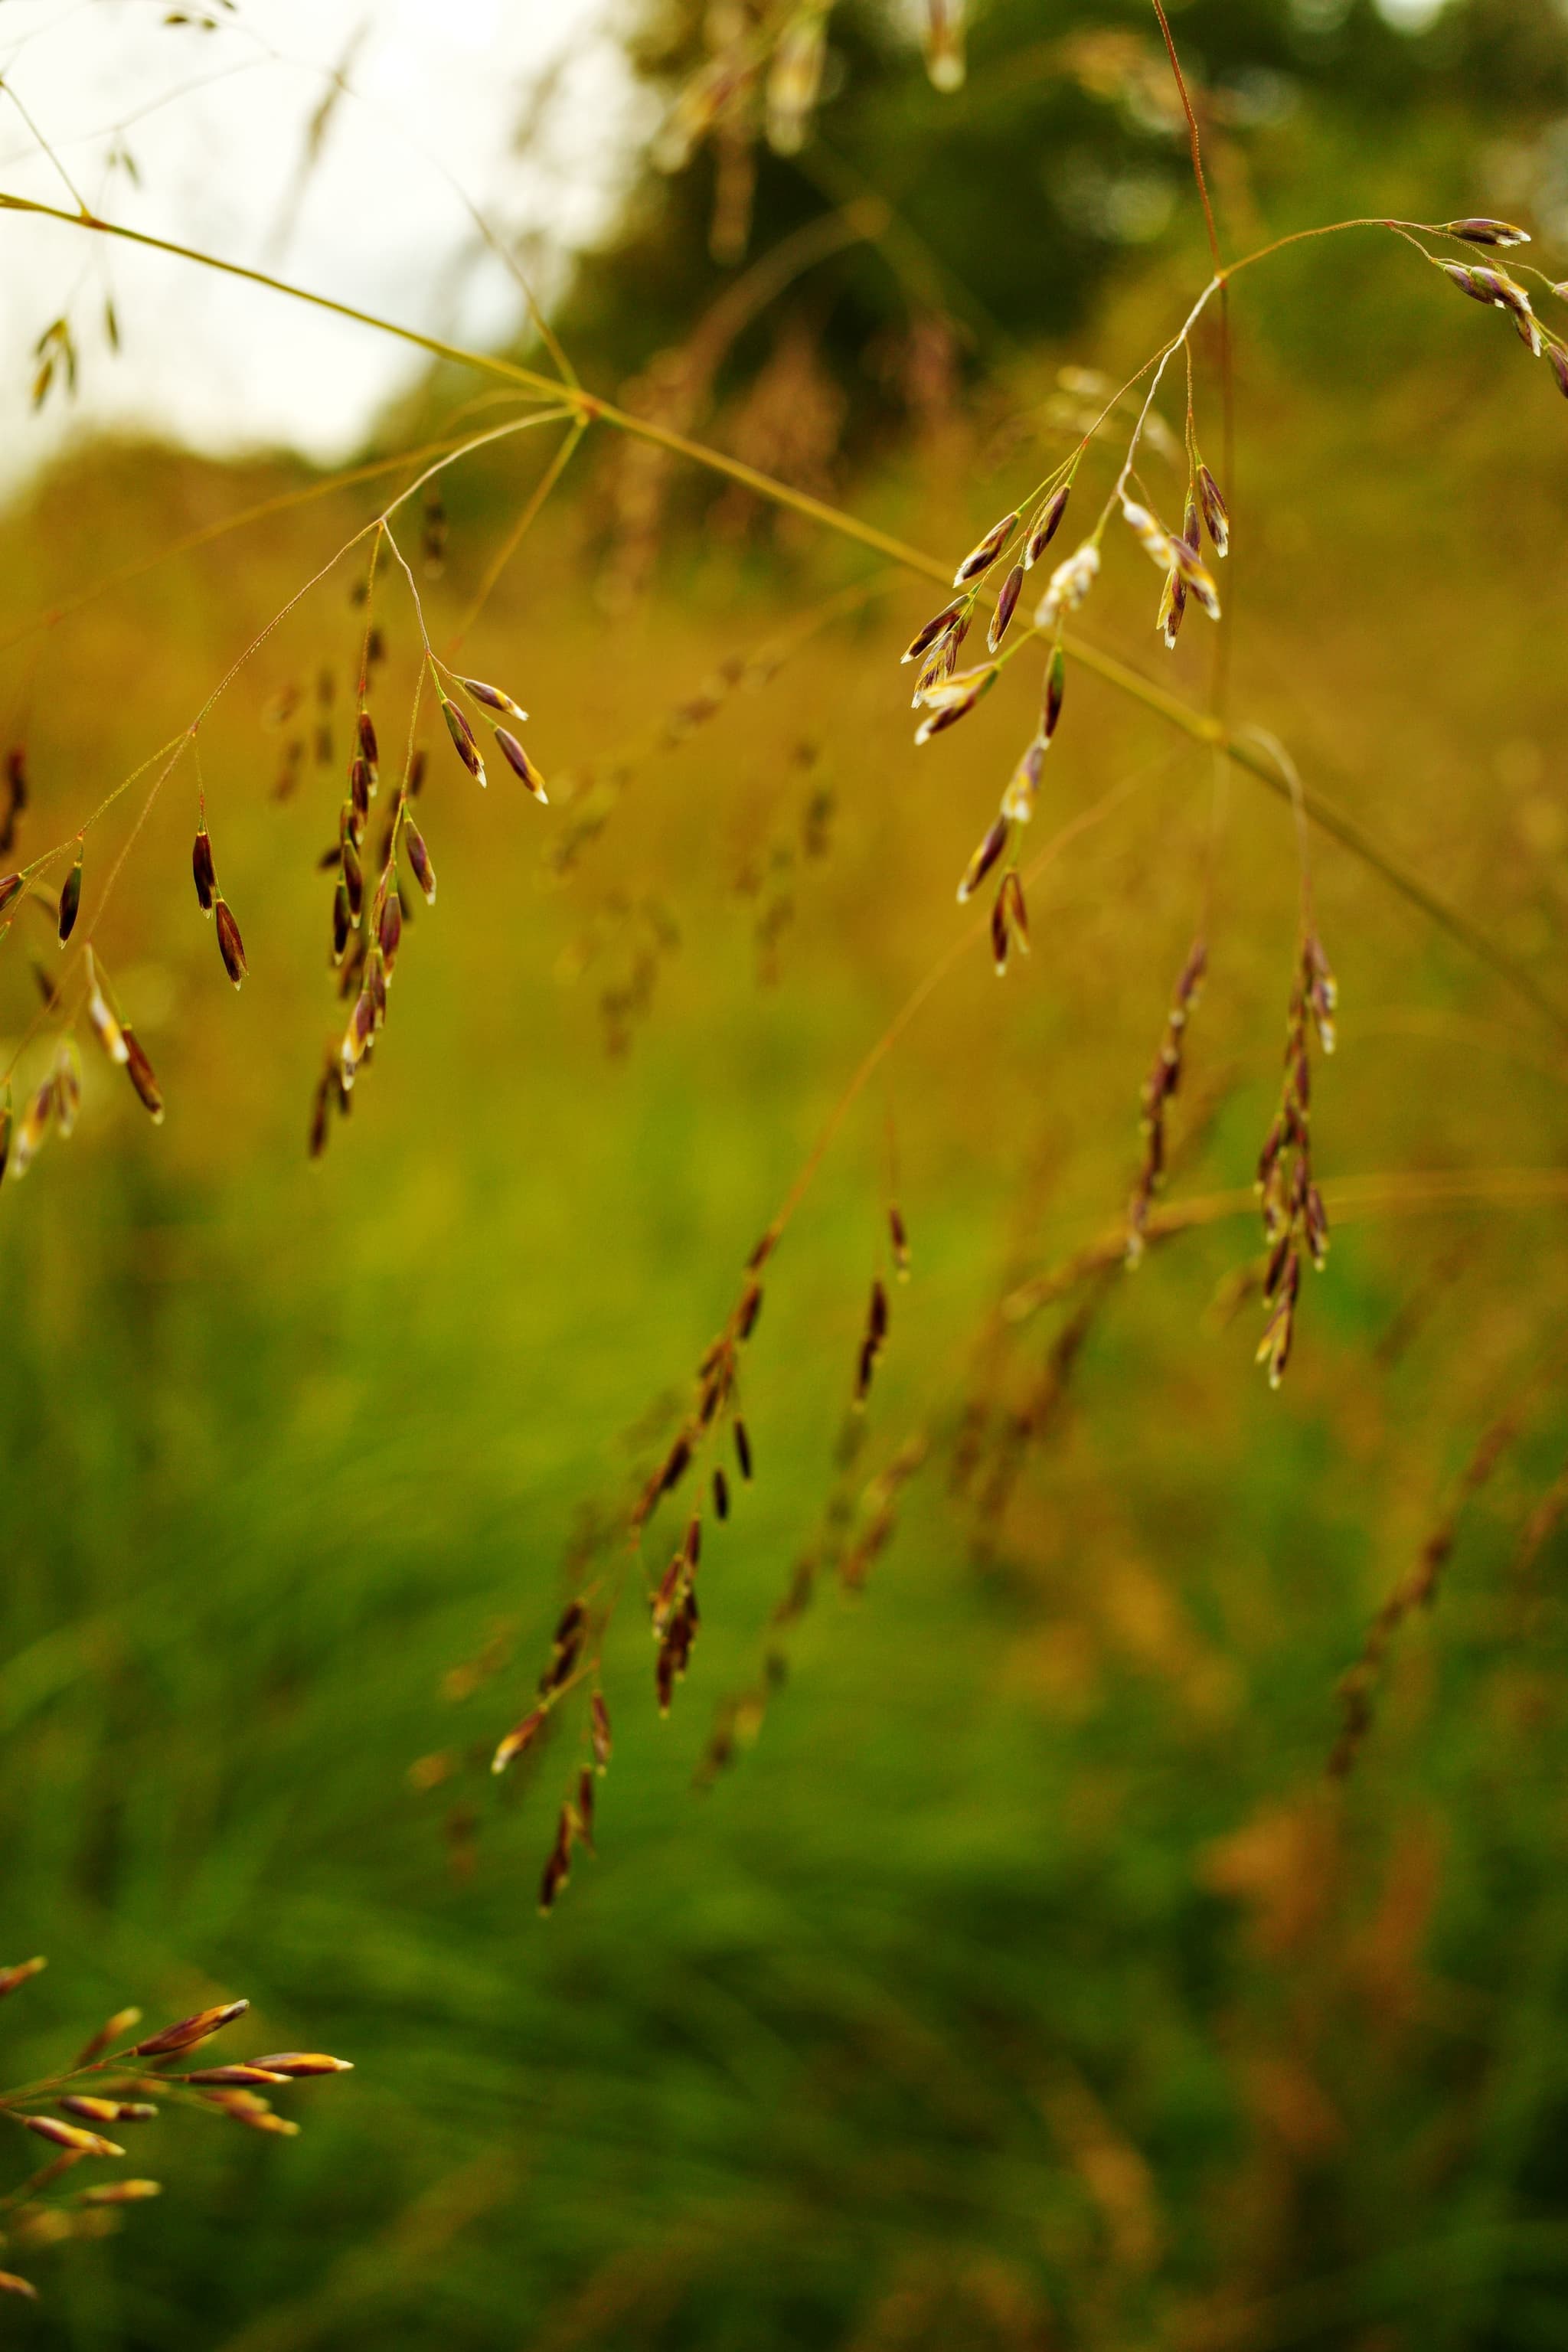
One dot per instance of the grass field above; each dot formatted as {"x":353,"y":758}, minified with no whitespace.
{"x":1027,"y":1983}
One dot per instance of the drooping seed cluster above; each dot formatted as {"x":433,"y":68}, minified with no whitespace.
{"x":1159,"y":1086}
{"x":1484,"y":283}
{"x":1294,"y":1219}
{"x":107,"y":2087}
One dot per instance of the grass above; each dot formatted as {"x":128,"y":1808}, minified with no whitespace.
{"x":1025,"y":1982}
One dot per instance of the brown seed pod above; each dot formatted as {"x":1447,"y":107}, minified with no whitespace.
{"x":70,"y":896}
{"x":517,"y":759}
{"x":139,"y":1070}
{"x":749,"y":1308}
{"x":231,"y":947}
{"x":492,"y":697}
{"x":203,"y":869}
{"x":462,"y":736}
{"x":227,"y":2076}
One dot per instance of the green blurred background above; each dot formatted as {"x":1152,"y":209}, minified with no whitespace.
{"x":1027,"y":1983}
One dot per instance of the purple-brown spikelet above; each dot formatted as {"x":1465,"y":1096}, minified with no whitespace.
{"x":1216,"y":515}
{"x":389,"y":931}
{"x":599,"y":1731}
{"x":353,"y":875}
{"x":1487,"y":232}
{"x":1044,"y":527}
{"x":71,"y":897}
{"x":188,"y":2031}
{"x":11,"y":889}
{"x":743,"y":1447}
{"x":139,"y":1070}
{"x":341,"y":922}
{"x":1006,"y":604}
{"x":462,"y":736}
{"x":368,"y":749}
{"x":984,"y":554}
{"x":492,"y":697}
{"x":203,"y":871}
{"x":984,"y":859}
{"x":231,"y":947}
{"x":720,"y":1496}
{"x":419,"y":864}
{"x":70,"y":2137}
{"x":939,"y":625}
{"x":1557,"y":359}
{"x":519,"y":1739}
{"x":517,"y":759}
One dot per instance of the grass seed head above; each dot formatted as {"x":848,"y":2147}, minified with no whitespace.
{"x":188,"y":2032}
{"x":984,"y":859}
{"x":462,"y":736}
{"x":20,"y":1973}
{"x":203,"y":870}
{"x":139,"y":1070}
{"x":1487,"y":232}
{"x":1044,"y":527}
{"x":518,"y":761}
{"x":231,"y":947}
{"x":1006,"y":603}
{"x":984,"y":554}
{"x":419,"y":860}
{"x":493,"y":699}
{"x":70,"y":896}
{"x":1216,"y":515}
{"x":72,"y":2137}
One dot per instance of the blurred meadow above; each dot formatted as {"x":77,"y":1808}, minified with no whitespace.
{"x":1017,"y":1974}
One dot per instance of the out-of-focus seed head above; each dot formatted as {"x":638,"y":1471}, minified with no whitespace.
{"x":299,"y":2065}
{"x":33,"y":1129}
{"x":1015,"y":911}
{"x":743,"y":1447}
{"x":368,"y":749}
{"x":21,"y":1972}
{"x":1070,"y":584}
{"x":416,"y":773}
{"x":68,"y":1087}
{"x":203,"y":870}
{"x":1044,"y":527}
{"x":120,"y":2192}
{"x":599,"y":1730}
{"x":493,"y":699}
{"x":1006,"y":604}
{"x":1487,"y":232}
{"x":1055,"y":686}
{"x":520,"y":1738}
{"x":998,"y":938}
{"x":389,"y":931}
{"x":720,"y":1496}
{"x":101,"y":1014}
{"x":11,"y":2285}
{"x":462,"y":736}
{"x":419,"y":860}
{"x":898,"y":1233}
{"x":984,"y":859}
{"x":11,"y":889}
{"x":139,"y":1070}
{"x":231,"y":947}
{"x":1019,"y":800}
{"x":71,"y":897}
{"x":341,"y":922}
{"x":1216,"y":515}
{"x":1557,"y":359}
{"x":984,"y":554}
{"x":518,"y":761}
{"x":71,"y":2136}
{"x":1172,"y":604}
{"x":944,"y":44}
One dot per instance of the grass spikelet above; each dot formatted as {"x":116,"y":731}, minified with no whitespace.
{"x":70,"y":896}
